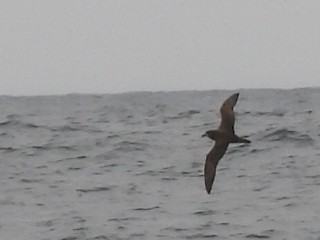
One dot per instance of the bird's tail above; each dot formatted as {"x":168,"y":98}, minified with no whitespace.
{"x":241,"y":140}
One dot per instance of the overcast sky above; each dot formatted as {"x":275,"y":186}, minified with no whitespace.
{"x":75,"y":46}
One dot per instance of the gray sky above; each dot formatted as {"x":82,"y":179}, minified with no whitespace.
{"x":74,"y":46}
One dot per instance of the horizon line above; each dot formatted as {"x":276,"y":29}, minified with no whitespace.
{"x":155,"y":91}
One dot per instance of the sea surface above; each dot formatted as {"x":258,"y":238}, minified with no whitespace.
{"x":130,"y":166}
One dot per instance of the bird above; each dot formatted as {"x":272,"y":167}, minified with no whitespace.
{"x":222,"y":136}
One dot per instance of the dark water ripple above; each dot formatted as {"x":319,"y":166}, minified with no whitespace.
{"x":128,"y":146}
{"x":201,"y":236}
{"x":261,"y":114}
{"x":96,"y":189}
{"x":289,"y":135}
{"x":146,"y":209}
{"x":205,"y":212}
{"x":130,"y":166}
{"x":184,"y":115}
{"x":256,"y":236}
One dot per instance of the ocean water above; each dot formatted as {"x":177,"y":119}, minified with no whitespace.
{"x":130,"y":166}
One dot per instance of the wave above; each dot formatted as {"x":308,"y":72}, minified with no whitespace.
{"x":95,"y":189}
{"x":129,"y":146}
{"x":146,"y":208}
{"x":185,"y":114}
{"x":8,"y":149}
{"x":275,"y":113}
{"x":287,"y":135}
{"x":50,"y":146}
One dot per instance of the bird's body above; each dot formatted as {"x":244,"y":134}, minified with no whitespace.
{"x":223,"y":136}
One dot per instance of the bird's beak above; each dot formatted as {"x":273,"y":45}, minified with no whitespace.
{"x":204,"y":135}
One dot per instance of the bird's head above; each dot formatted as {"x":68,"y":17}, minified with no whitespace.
{"x":212,"y":134}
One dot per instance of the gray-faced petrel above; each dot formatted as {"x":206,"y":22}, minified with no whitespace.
{"x":222,"y":136}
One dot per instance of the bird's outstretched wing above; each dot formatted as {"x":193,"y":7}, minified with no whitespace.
{"x":227,"y":113}
{"x":211,"y":163}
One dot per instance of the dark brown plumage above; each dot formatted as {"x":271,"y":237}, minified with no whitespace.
{"x":222,"y":136}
